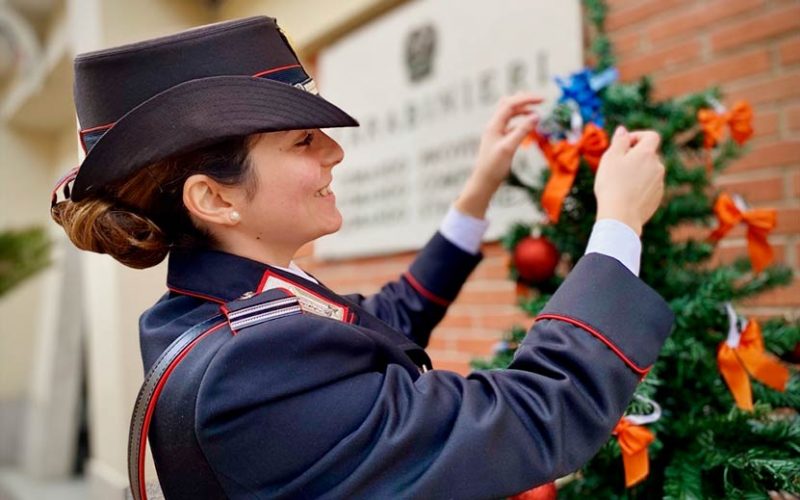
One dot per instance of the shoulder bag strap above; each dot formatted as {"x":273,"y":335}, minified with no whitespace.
{"x":148,"y":397}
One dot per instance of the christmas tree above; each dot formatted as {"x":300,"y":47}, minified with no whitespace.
{"x":716,"y":416}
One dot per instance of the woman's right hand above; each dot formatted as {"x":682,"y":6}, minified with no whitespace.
{"x":630,"y":179}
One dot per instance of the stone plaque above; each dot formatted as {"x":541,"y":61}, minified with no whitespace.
{"x":423,"y":80}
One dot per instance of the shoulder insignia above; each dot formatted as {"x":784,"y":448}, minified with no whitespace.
{"x":309,"y":301}
{"x":260,"y":308}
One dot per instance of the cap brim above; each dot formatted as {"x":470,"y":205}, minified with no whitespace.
{"x":198,"y":113}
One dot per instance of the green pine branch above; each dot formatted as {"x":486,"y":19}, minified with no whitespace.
{"x":705,"y":446}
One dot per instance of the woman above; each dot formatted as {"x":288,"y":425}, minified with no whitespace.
{"x":212,"y":152}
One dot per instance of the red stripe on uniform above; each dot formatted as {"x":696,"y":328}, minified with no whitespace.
{"x":424,"y":291}
{"x":602,"y":338}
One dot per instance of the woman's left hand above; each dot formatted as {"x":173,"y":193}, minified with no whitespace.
{"x":499,"y":142}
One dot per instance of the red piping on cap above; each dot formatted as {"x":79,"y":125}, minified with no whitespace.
{"x":273,"y":70}
{"x":83,"y":132}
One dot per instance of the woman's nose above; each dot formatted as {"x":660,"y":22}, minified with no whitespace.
{"x":332,"y":152}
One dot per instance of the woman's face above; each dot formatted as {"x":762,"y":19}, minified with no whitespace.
{"x":293,"y":203}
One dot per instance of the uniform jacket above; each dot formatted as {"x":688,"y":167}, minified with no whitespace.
{"x":285,"y":403}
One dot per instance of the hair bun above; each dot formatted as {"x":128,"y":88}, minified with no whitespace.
{"x":100,"y":226}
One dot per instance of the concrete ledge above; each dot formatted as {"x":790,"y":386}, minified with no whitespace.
{"x":15,"y":485}
{"x":105,"y":483}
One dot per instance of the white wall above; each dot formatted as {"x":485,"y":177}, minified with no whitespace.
{"x":310,"y":23}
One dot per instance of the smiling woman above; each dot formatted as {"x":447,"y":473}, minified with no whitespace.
{"x":265,"y":383}
{"x":292,"y":205}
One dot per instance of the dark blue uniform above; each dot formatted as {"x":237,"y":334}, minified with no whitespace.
{"x":281,"y":402}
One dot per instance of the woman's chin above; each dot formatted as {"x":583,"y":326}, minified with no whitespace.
{"x":332,"y":225}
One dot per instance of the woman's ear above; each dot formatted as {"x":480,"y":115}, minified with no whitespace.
{"x":209,"y":201}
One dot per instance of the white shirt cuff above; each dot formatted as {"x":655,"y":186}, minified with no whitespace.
{"x":615,"y":239}
{"x":463,"y":231}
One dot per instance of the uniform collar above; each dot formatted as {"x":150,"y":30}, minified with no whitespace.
{"x":221,"y":277}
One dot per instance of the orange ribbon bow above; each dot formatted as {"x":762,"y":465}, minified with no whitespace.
{"x":749,"y":357}
{"x":759,"y":223}
{"x":633,"y":441}
{"x":739,"y":119}
{"x":564,"y":159}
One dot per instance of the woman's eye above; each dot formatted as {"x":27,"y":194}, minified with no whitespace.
{"x":307,"y":140}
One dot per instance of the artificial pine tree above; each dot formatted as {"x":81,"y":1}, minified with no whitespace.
{"x":706,"y":445}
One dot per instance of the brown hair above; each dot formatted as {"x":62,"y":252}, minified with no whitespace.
{"x":139,"y":220}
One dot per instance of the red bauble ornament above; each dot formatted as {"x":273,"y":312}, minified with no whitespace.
{"x":543,"y":492}
{"x":536,"y":259}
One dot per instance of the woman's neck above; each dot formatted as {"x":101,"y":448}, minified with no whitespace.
{"x":272,"y":254}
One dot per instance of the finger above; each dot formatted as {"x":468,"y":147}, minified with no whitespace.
{"x":509,"y":107}
{"x":519,"y":131}
{"x":645,"y":140}
{"x":620,"y":142}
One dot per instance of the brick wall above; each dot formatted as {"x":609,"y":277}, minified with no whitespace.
{"x":751,"y":48}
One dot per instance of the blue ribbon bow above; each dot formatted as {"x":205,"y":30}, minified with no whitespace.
{"x":582,"y":88}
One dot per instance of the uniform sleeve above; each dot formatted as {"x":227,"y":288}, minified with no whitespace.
{"x":312,"y":412}
{"x":417,"y":302}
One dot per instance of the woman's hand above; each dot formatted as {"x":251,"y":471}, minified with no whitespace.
{"x":499,"y":142}
{"x":630,"y":179}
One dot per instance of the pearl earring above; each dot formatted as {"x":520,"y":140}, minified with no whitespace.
{"x":234,"y":216}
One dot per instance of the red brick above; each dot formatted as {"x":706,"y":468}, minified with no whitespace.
{"x":452,"y":320}
{"x":438,"y":343}
{"x":779,"y":297}
{"x":727,"y":255}
{"x":504,"y":321}
{"x":455,"y":365}
{"x":790,"y":51}
{"x":626,"y":43}
{"x":797,"y":185}
{"x":793,"y":118}
{"x":493,"y":249}
{"x":476,"y":346}
{"x":663,"y":58}
{"x":765,"y":123}
{"x":637,"y":12}
{"x":768,"y":89}
{"x":689,"y":20}
{"x":757,"y":27}
{"x":502,"y":296}
{"x":788,"y":221}
{"x":755,"y":190}
{"x":492,"y":268}
{"x":772,"y":154}
{"x":615,"y":4}
{"x":723,"y":69}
